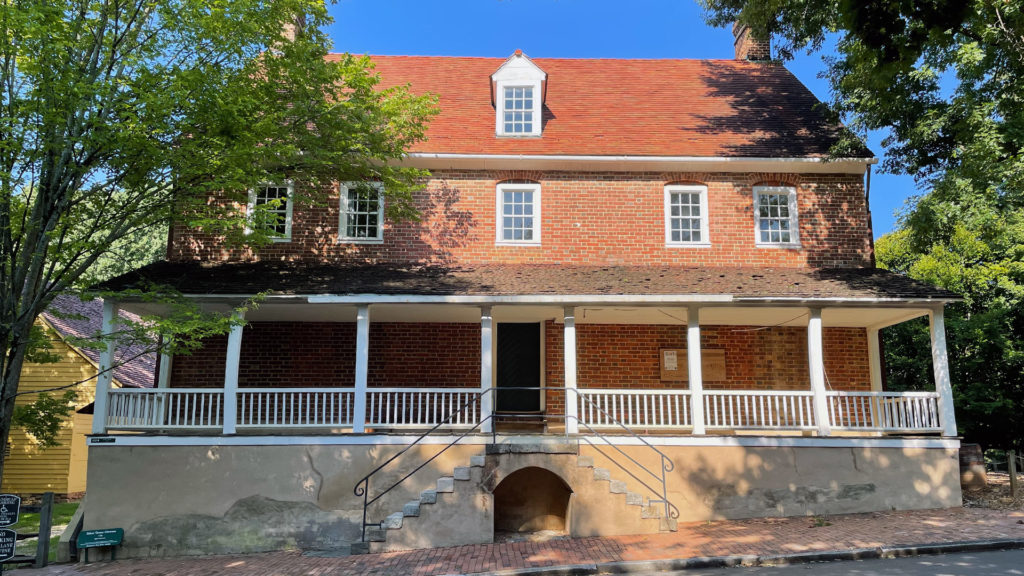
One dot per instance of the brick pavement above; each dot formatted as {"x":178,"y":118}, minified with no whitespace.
{"x":736,"y":537}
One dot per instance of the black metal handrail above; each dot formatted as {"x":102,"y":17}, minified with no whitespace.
{"x":362,"y":487}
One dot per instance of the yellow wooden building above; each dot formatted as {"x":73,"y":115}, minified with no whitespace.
{"x":31,"y":469}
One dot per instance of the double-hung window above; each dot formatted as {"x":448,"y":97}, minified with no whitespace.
{"x":518,"y":214}
{"x":775,"y":217}
{"x":270,"y":210}
{"x":362,"y":213}
{"x":517,"y":110}
{"x":686,"y":215}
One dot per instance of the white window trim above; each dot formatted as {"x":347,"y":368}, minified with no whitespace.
{"x":499,"y":117}
{"x":794,"y":217}
{"x":498,"y":213}
{"x":343,"y":215}
{"x":704,"y":226}
{"x":287,"y":237}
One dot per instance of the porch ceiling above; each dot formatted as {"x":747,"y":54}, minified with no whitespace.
{"x":835,"y":316}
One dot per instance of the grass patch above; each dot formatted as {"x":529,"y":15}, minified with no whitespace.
{"x":29,"y":523}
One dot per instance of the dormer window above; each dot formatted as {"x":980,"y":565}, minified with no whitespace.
{"x":517,"y":110}
{"x":518,"y":89}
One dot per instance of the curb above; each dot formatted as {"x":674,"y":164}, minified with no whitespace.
{"x":636,"y":566}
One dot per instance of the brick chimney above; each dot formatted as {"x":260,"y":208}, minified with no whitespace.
{"x":749,"y":47}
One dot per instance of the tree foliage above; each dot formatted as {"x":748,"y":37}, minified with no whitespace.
{"x":116,"y":117}
{"x":944,"y":81}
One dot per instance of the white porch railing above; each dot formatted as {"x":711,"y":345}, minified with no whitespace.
{"x":422,"y":407}
{"x":884,"y":411}
{"x":140,"y":409}
{"x":759,"y":409}
{"x":165,"y":408}
{"x":651,"y":409}
{"x":295,"y":407}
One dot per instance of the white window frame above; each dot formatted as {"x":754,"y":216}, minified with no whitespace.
{"x":343,"y":189}
{"x":702,"y":191}
{"x":794,"y":218}
{"x":535,"y":128}
{"x":499,"y":224}
{"x":250,"y":209}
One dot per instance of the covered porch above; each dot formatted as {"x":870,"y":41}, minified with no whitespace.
{"x":564,"y":364}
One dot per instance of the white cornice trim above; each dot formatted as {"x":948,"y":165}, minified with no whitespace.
{"x":113,"y":440}
{"x":628,"y":163}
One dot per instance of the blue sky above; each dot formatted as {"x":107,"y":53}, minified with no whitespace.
{"x":570,"y":29}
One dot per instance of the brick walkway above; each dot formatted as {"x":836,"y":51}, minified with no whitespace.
{"x":736,"y":537}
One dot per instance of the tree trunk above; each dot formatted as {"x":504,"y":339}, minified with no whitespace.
{"x":11,"y":377}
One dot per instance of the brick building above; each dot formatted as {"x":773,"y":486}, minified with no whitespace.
{"x":530,"y":344}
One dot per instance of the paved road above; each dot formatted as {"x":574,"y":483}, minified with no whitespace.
{"x":1000,"y":563}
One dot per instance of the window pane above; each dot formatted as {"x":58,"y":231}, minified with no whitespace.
{"x":684,"y":217}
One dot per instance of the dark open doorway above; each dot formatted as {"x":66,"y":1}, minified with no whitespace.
{"x":531,"y":500}
{"x":518,"y":359}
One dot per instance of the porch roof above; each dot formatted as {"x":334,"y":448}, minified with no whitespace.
{"x":739,"y":283}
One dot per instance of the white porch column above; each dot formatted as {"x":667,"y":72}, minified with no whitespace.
{"x":106,"y":372}
{"x":694,"y":369}
{"x":875,"y":359}
{"x":940,"y":363}
{"x":486,"y":369}
{"x":231,"y":376}
{"x":569,"y":359}
{"x":163,"y":381}
{"x":816,"y":361}
{"x":362,"y":368}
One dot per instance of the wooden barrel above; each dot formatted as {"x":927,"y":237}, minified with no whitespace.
{"x":972,"y":466}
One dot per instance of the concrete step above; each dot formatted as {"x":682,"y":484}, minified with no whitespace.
{"x":375,"y":534}
{"x":357,"y":548}
{"x":445,"y":484}
{"x":428,"y":497}
{"x":602,"y":474}
{"x":634,"y":499}
{"x":617,"y":487}
{"x":478,"y":460}
{"x":411,"y":508}
{"x":462,"y":472}
{"x":668,"y":524}
{"x":393,"y":521}
{"x":585,"y":461}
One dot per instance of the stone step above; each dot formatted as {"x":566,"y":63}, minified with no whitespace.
{"x":651,"y":511}
{"x":446,"y":484}
{"x":618,"y":487}
{"x":428,"y":497}
{"x":411,"y":508}
{"x":375,"y":534}
{"x":668,"y":524}
{"x":585,"y":461}
{"x":478,"y":460}
{"x":393,"y":521}
{"x":461,"y":473}
{"x":634,"y":499}
{"x":602,"y":474}
{"x":357,"y":548}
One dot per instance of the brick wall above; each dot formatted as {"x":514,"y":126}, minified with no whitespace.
{"x":299,"y":354}
{"x":587,"y":218}
{"x":756,"y":358}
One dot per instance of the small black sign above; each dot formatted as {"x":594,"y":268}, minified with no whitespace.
{"x":10,"y":506}
{"x":8,"y":539}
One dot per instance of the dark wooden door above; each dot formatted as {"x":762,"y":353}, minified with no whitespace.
{"x":518,"y":360}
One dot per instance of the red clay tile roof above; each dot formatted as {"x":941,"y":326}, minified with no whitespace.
{"x":700,"y":108}
{"x":82,"y":319}
{"x":522,"y":279}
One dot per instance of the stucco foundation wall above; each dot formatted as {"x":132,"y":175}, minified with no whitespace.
{"x":211,"y":500}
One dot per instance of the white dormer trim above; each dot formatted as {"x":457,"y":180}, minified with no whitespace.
{"x":519,"y":72}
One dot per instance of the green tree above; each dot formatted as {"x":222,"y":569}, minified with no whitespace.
{"x":944,"y":81}
{"x":116,"y":117}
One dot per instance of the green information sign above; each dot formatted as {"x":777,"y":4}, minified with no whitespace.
{"x":100,"y":538}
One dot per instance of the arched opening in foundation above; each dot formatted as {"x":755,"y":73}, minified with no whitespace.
{"x":531,"y":501}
